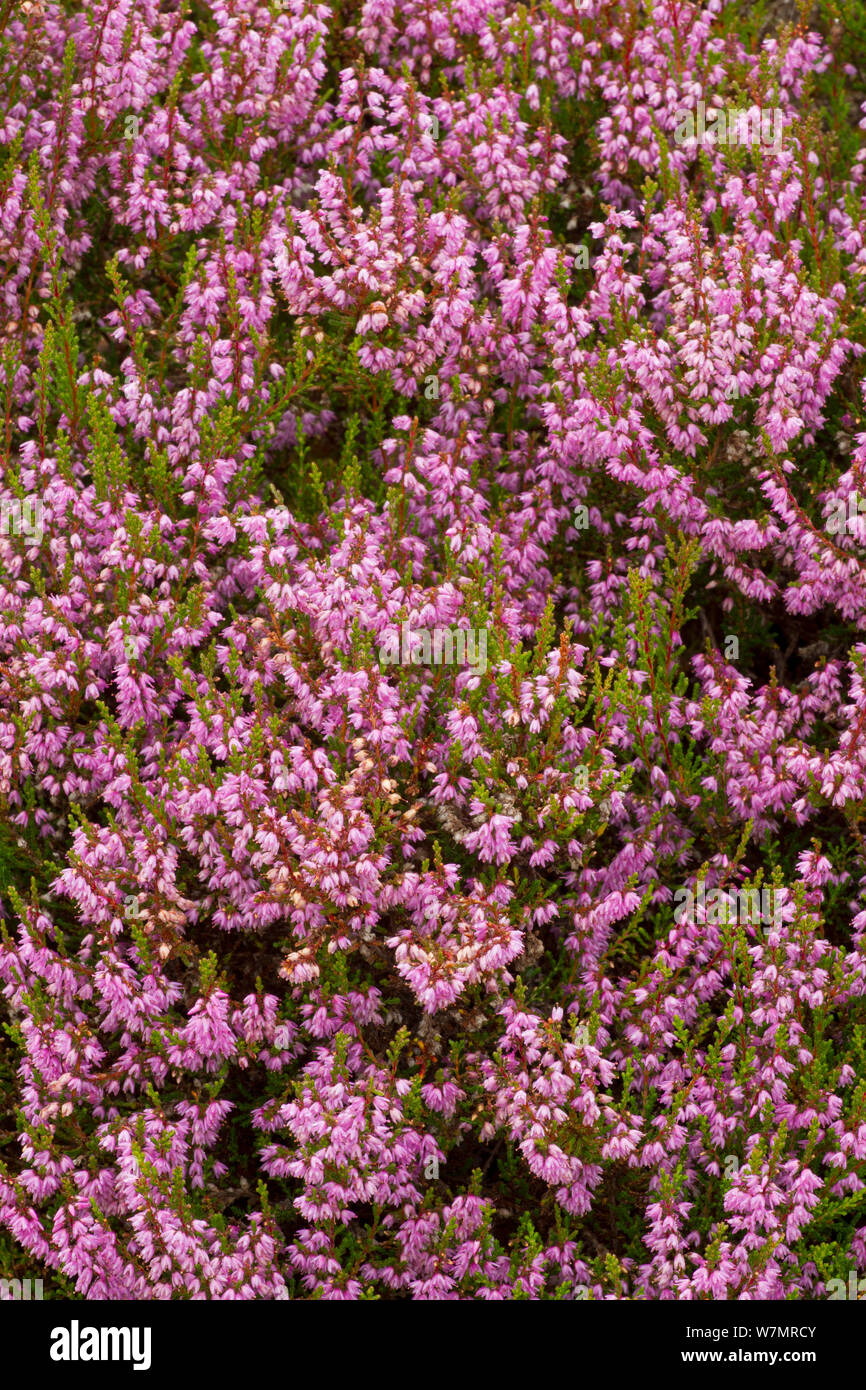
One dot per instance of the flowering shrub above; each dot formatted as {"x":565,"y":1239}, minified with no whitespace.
{"x":339,"y":961}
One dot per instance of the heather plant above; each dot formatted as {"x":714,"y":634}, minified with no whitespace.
{"x":337,"y":962}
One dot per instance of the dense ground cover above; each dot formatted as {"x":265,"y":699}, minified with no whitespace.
{"x":523,"y":957}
